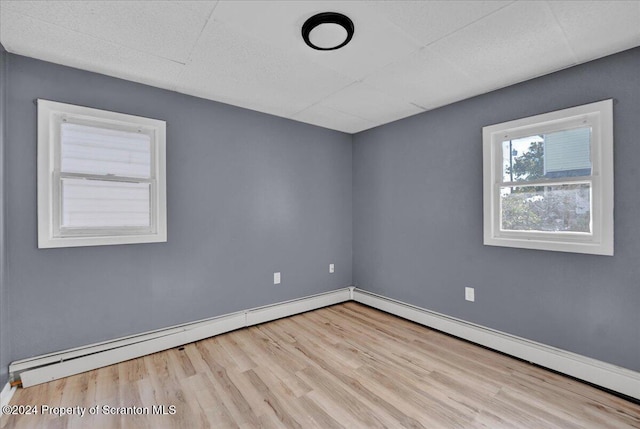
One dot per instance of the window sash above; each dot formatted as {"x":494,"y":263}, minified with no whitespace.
{"x":91,"y":148}
{"x":547,"y":182}
{"x":60,"y":230}
{"x":579,"y":163}
{"x":549,"y":235}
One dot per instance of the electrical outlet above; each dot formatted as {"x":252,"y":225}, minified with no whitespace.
{"x":332,"y":268}
{"x":276,"y":278}
{"x":469,"y":294}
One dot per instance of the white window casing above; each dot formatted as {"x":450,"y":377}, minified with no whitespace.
{"x":598,"y":235}
{"x":101,"y":177}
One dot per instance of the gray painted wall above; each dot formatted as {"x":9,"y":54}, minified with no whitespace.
{"x":4,"y":305}
{"x":248,"y":194}
{"x":418,"y":220}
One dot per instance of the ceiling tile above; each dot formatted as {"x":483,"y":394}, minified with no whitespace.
{"x":329,"y":118}
{"x":366,"y":102}
{"x":429,"y":21}
{"x":376,"y":41}
{"x":426,"y":79}
{"x":593,"y":28}
{"x":228,"y":65}
{"x":167,"y":29}
{"x":519,"y":42}
{"x":34,"y":38}
{"x":405,"y":55}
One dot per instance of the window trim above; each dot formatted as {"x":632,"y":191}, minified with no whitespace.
{"x":50,"y":233}
{"x":599,"y":116}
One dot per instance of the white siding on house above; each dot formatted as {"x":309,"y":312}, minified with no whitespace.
{"x":567,"y":150}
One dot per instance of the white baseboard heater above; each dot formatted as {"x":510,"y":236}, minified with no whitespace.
{"x":65,"y":363}
{"x":62,"y":364}
{"x":594,"y":371}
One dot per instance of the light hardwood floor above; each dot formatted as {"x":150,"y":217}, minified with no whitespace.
{"x":341,"y":366}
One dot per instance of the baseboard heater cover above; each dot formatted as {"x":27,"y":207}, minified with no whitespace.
{"x":62,"y":364}
{"x":594,"y":371}
{"x":5,"y":394}
{"x":54,"y":366}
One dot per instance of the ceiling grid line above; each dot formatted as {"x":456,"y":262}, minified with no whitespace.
{"x":469,"y":24}
{"x":195,"y":44}
{"x":564,"y":34}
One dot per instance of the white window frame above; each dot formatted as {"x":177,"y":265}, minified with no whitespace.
{"x":51,"y":115}
{"x":599,"y":116}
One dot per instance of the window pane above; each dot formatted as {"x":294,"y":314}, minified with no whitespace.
{"x":564,"y":208}
{"x":564,"y":153}
{"x":101,"y":151}
{"x":102,"y":203}
{"x":523,"y":159}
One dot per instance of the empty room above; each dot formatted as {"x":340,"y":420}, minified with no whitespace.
{"x":320,"y":214}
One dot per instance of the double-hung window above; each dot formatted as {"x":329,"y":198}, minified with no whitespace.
{"x":548,"y":181}
{"x":101,"y":177}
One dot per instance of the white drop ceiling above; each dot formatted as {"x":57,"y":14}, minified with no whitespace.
{"x":406,"y":57}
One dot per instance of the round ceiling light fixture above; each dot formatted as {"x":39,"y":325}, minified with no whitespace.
{"x":327,"y":31}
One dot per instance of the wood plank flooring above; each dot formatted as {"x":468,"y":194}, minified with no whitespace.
{"x":342,"y":366}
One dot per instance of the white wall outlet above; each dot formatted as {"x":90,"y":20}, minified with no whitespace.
{"x":332,"y":268}
{"x":469,"y":294}
{"x":276,"y":278}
